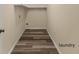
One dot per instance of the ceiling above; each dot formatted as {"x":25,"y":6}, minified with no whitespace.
{"x":36,"y":5}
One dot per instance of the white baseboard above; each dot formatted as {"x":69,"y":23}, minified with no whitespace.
{"x":15,"y":43}
{"x":54,"y":43}
{"x":13,"y":46}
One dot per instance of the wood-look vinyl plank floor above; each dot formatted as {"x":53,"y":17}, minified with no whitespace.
{"x":35,"y":41}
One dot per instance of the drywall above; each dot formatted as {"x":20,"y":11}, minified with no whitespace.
{"x":63,"y":26}
{"x":8,"y":17}
{"x":14,"y":25}
{"x":20,"y":17}
{"x":2,"y":36}
{"x":36,"y":18}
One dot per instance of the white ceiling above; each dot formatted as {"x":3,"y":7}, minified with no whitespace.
{"x":36,"y":5}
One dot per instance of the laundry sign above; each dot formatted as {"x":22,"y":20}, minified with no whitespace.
{"x":67,"y":45}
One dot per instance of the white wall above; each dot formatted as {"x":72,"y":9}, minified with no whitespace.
{"x":63,"y":26}
{"x":20,"y":17}
{"x":14,"y":26}
{"x":37,"y":18}
{"x":8,"y":17}
{"x":20,"y":14}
